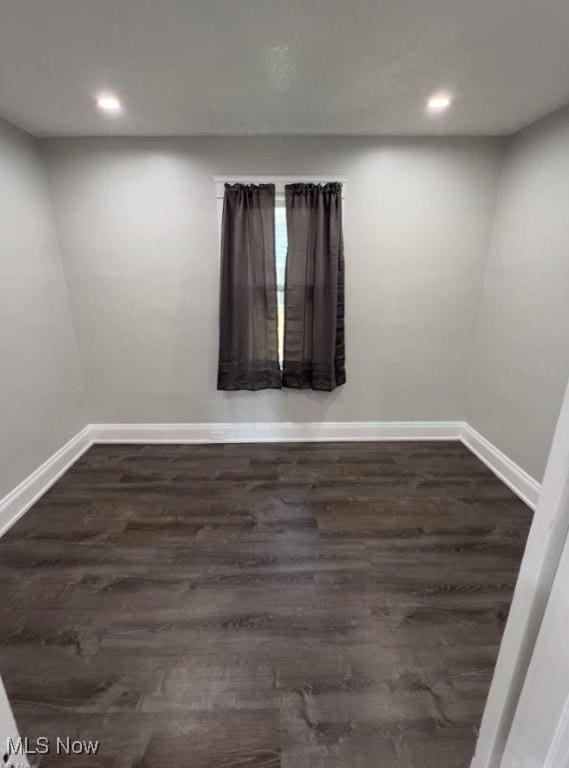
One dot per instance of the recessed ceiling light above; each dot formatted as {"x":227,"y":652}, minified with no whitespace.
{"x":439,"y":102}
{"x":109,"y":103}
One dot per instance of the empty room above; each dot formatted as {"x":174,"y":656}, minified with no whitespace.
{"x":284,"y":352}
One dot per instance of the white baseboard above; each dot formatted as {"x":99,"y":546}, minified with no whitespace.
{"x":21,"y":498}
{"x":250,"y":432}
{"x":522,"y":484}
{"x":35,"y":485}
{"x":268,"y":432}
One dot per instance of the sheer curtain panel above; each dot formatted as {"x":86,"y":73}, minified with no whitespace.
{"x":248,"y":343}
{"x":314,"y":356}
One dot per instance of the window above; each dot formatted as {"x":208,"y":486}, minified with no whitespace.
{"x":281,"y":241}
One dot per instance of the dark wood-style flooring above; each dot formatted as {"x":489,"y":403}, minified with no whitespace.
{"x":333,"y":605}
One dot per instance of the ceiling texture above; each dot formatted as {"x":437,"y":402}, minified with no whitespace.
{"x":288,"y":67}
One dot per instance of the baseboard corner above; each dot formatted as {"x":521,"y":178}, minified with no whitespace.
{"x":24,"y":495}
{"x":510,"y":473}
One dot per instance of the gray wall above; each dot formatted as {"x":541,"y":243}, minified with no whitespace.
{"x":138,"y":230}
{"x":521,"y":360}
{"x":42,"y":402}
{"x":137,"y":227}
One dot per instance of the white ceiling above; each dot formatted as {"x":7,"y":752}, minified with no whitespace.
{"x":292,"y":66}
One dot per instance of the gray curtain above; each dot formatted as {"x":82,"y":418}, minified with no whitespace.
{"x":248,"y":346}
{"x":314,"y":292}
